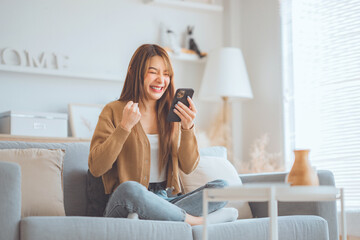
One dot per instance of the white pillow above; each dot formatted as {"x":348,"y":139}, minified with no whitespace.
{"x":212,"y":168}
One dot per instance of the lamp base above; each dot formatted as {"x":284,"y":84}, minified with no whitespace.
{"x":220,"y":131}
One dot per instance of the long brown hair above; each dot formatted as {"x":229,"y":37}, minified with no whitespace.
{"x":133,"y":90}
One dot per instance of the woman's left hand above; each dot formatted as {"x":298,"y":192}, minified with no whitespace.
{"x":186,"y":114}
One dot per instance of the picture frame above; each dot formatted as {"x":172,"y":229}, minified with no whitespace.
{"x":83,"y":119}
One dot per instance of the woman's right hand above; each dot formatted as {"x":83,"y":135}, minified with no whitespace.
{"x":131,"y":115}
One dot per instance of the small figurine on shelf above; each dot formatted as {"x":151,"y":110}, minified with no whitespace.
{"x":168,"y":39}
{"x":172,"y":40}
{"x":192,"y":44}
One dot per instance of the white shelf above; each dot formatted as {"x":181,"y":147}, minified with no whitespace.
{"x":60,"y":73}
{"x":8,"y":137}
{"x":186,"y":57}
{"x":187,"y":5}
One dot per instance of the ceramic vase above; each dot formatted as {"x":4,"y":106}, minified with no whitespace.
{"x":301,"y":172}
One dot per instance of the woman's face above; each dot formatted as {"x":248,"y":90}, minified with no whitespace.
{"x":157,"y":78}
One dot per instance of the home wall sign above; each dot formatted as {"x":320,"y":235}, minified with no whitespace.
{"x":45,"y":63}
{"x":26,"y":58}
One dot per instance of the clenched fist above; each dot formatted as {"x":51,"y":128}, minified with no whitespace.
{"x":131,"y":115}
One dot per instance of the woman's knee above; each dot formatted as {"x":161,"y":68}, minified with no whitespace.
{"x":129,"y":189}
{"x":218,"y":183}
{"x":124,"y":199}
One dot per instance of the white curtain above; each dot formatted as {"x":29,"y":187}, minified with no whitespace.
{"x":321,"y":43}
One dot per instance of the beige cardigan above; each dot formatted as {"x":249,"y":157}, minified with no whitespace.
{"x":119,"y":156}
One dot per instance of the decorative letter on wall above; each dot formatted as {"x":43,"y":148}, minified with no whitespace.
{"x":10,"y":56}
{"x":60,"y":61}
{"x":33,"y":61}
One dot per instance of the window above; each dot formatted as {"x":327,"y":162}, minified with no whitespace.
{"x":321,"y":42}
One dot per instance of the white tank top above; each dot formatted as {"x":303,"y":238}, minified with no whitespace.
{"x":155,"y":175}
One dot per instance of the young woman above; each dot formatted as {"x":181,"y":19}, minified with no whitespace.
{"x":139,"y":154}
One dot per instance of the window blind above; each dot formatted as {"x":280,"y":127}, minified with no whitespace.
{"x":321,"y":43}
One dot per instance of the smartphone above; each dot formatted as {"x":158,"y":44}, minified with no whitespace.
{"x":180,"y":96}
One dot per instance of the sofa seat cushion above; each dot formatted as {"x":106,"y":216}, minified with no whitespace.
{"x":88,"y":228}
{"x":290,"y":228}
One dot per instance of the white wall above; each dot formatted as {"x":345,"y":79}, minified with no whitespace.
{"x":261,"y":45}
{"x":254,"y":26}
{"x":233,"y":38}
{"x":99,"y":37}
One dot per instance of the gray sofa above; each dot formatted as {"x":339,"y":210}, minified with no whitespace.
{"x":300,"y":221}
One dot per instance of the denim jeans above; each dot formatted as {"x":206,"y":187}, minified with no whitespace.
{"x":132,"y":197}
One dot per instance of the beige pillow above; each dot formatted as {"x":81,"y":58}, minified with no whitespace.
{"x":41,"y":180}
{"x":212,"y":168}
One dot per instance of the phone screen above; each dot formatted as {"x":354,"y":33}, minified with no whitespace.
{"x":180,"y":96}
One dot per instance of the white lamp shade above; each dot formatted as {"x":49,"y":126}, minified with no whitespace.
{"x":225,"y":76}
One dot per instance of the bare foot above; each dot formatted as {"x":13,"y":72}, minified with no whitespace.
{"x":192,"y":220}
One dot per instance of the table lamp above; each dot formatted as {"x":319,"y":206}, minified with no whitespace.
{"x":225,"y":78}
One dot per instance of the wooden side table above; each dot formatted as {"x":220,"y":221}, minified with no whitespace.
{"x":273,"y":193}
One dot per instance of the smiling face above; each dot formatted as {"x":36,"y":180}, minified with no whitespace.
{"x":157,"y":78}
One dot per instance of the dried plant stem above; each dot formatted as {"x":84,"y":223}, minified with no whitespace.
{"x":261,"y":160}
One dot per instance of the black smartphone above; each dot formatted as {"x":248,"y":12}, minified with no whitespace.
{"x":180,"y":96}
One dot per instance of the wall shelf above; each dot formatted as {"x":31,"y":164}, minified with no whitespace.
{"x":187,"y":5}
{"x":60,"y":73}
{"x":8,"y":137}
{"x":186,"y":57}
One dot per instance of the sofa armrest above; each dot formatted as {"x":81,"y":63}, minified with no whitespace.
{"x":326,"y":210}
{"x":10,"y":200}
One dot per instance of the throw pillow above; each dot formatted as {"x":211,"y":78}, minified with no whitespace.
{"x":96,"y":197}
{"x":211,"y":168}
{"x":215,"y":151}
{"x":41,"y":180}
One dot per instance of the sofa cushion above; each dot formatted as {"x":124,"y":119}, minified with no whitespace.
{"x":214,"y":151}
{"x":41,"y":180}
{"x":10,"y":199}
{"x":96,"y":197}
{"x":75,"y":169}
{"x":290,"y":228}
{"x":88,"y":228}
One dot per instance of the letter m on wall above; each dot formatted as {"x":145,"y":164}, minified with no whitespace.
{"x":40,"y":61}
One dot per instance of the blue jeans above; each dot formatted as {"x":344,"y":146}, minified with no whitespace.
{"x":132,"y":197}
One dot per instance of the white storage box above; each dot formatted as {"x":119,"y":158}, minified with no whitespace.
{"x":34,"y":124}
